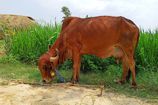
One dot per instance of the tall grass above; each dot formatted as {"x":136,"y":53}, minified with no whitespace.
{"x":28,"y":44}
{"x":147,"y":50}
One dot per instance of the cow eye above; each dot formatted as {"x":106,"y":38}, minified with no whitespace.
{"x":49,"y":67}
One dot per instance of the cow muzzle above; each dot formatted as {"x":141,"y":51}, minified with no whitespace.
{"x":47,"y":81}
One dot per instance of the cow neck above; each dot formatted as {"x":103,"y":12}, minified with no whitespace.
{"x":55,"y":46}
{"x":52,"y":51}
{"x":49,"y":53}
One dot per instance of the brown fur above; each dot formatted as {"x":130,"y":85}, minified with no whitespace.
{"x":103,"y":36}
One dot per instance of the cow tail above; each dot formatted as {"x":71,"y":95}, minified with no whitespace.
{"x":138,"y":38}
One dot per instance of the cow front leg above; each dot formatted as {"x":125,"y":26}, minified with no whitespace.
{"x":76,"y":68}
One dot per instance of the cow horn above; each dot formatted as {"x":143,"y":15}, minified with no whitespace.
{"x":52,"y":59}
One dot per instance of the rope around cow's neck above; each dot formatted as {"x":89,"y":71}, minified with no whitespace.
{"x":61,"y":79}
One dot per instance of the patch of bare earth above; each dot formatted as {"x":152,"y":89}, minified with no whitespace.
{"x":61,"y":94}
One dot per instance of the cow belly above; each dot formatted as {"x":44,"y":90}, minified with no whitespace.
{"x":114,"y":51}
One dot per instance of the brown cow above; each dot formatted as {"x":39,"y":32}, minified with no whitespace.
{"x":103,"y":36}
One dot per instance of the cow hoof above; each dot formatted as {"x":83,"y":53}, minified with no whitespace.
{"x":121,"y":82}
{"x":74,"y":81}
{"x":134,"y":85}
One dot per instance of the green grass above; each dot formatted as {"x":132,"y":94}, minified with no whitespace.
{"x":146,"y":80}
{"x":28,"y":44}
{"x":18,"y":71}
{"x":146,"y":53}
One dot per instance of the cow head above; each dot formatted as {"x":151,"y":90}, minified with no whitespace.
{"x":47,"y":65}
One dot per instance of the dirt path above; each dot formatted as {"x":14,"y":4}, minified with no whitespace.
{"x":61,"y":94}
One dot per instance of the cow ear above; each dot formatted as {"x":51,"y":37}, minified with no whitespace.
{"x":49,"y":46}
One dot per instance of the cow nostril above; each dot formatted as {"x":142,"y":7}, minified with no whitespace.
{"x":44,"y":81}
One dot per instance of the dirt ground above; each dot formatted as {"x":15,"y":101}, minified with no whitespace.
{"x":61,"y":94}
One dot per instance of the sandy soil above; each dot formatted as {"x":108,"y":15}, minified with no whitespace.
{"x":61,"y":94}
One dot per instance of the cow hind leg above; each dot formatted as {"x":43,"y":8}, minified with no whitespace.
{"x":132,"y":69}
{"x":125,"y":71}
{"x":128,"y":76}
{"x":128,"y":62}
{"x":119,"y":54}
{"x":128,"y":65}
